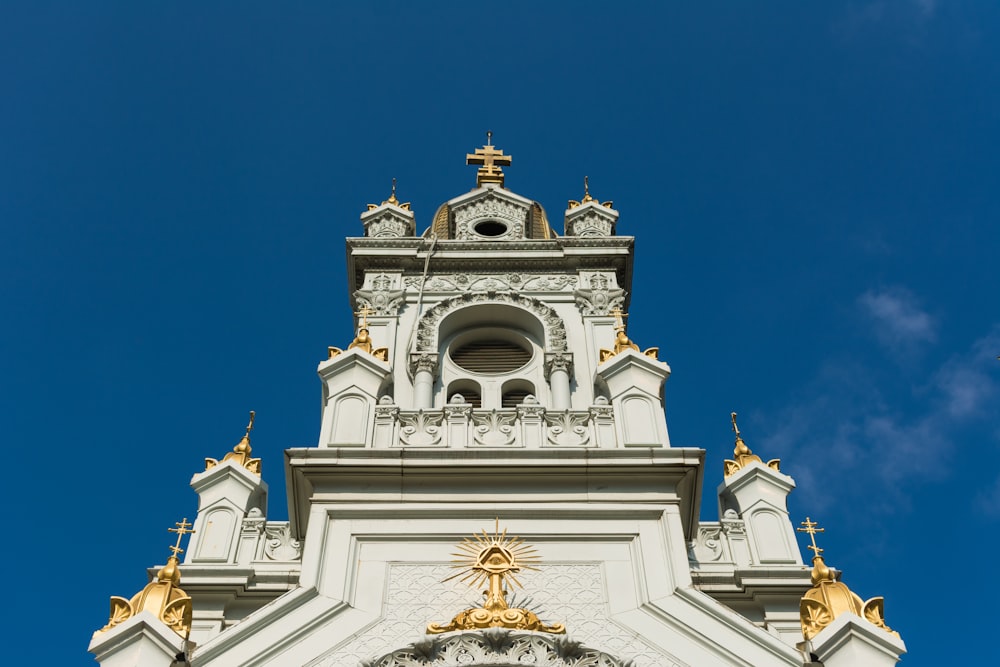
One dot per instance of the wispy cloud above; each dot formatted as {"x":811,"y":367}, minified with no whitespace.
{"x":898,"y":318}
{"x":868,"y":439}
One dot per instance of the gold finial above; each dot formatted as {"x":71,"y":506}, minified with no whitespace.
{"x":495,"y":559}
{"x":161,"y":597}
{"x":391,"y":200}
{"x":742,"y":456}
{"x":622,"y":341}
{"x":829,"y":598}
{"x":363,"y":341}
{"x":241,"y":453}
{"x":587,"y":198}
{"x":491,"y":160}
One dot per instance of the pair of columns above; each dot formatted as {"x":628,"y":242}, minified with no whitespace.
{"x":557,"y":366}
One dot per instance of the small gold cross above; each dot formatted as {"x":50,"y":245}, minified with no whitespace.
{"x":182,"y":527}
{"x":363,"y":316}
{"x":619,"y":318}
{"x":810,"y":527}
{"x":250,"y":424}
{"x":735,"y":427}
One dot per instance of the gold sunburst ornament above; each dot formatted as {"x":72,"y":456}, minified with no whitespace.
{"x":494,"y":559}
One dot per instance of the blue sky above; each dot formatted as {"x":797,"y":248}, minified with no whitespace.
{"x":813,"y":188}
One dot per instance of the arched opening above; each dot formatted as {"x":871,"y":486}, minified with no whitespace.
{"x":469,"y":390}
{"x":514,"y":392}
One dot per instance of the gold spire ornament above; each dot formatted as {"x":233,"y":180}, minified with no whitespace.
{"x":587,"y":198}
{"x":363,"y":341}
{"x":241,"y":452}
{"x":491,"y":160}
{"x":622,"y":341}
{"x":162,"y":597}
{"x":829,"y":598}
{"x":495,"y":559}
{"x":742,"y":456}
{"x":391,"y":200}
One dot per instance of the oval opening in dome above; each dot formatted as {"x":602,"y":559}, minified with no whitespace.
{"x":490,"y":228}
{"x":490,"y":357}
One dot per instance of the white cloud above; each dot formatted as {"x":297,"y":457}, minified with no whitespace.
{"x":876,"y":447}
{"x":899,"y":320}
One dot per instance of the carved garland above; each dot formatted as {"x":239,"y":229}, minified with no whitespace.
{"x":496,"y":647}
{"x":555,"y":328}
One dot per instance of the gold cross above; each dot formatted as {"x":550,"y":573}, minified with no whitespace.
{"x":619,"y":318}
{"x":491,"y":160}
{"x":363,"y":316}
{"x":737,"y":428}
{"x":182,"y":527}
{"x":810,"y":527}
{"x":250,"y":424}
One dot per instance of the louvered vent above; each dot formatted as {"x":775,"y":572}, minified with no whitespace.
{"x":513,"y":398}
{"x":471,"y":397}
{"x":491,"y":357}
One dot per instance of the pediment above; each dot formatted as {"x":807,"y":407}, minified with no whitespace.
{"x":490,"y":214}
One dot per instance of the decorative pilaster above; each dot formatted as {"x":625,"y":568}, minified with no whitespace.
{"x":386,"y":414}
{"x":456,"y":415}
{"x":531,"y":416}
{"x":602,"y":416}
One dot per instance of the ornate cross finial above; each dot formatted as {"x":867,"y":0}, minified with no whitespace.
{"x":253,"y":415}
{"x":810,"y":527}
{"x":619,"y":318}
{"x":183,"y":525}
{"x":736,"y":428}
{"x":363,"y":314}
{"x":491,"y":160}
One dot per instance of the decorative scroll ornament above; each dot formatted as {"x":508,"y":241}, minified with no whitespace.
{"x":381,"y":299}
{"x":281,"y":545}
{"x":600,"y":298}
{"x":491,"y":160}
{"x":363,"y":341}
{"x":161,"y":597}
{"x":495,"y":559}
{"x":829,"y":598}
{"x":241,"y":452}
{"x":622,"y":341}
{"x":742,"y":456}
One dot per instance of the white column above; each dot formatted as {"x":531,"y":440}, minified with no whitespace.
{"x":423,"y":366}
{"x":558,"y":366}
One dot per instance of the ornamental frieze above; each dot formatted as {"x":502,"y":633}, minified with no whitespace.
{"x":478,"y":282}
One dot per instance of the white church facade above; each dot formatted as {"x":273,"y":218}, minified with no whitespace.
{"x":494,"y":484}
